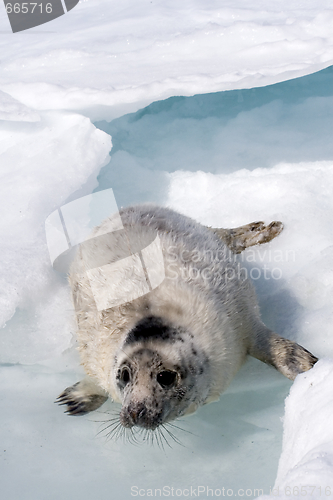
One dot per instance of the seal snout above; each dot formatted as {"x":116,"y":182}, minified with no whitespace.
{"x":136,"y":413}
{"x":133,"y":414}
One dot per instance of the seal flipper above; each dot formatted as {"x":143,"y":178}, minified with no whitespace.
{"x":286,"y":356}
{"x":82,"y":397}
{"x":242,"y":237}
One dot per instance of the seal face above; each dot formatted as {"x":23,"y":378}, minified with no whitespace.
{"x":163,"y":340}
{"x":160,"y":374}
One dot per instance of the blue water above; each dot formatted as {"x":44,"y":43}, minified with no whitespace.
{"x":220,"y":133}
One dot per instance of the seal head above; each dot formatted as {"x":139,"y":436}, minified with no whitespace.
{"x":160,"y":374}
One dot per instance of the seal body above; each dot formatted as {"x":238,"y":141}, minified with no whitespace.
{"x":164,"y":351}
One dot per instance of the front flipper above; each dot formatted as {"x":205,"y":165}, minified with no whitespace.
{"x":286,"y":356}
{"x":255,"y":233}
{"x":82,"y":397}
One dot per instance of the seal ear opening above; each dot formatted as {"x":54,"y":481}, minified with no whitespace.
{"x":286,"y":356}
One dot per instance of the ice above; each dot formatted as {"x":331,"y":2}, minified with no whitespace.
{"x":105,"y":59}
{"x":235,"y":443}
{"x":13,"y":110}
{"x":306,"y":463}
{"x":60,"y":456}
{"x":42,"y":163}
{"x":262,"y":150}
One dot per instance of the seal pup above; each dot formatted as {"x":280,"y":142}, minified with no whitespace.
{"x":164,"y":352}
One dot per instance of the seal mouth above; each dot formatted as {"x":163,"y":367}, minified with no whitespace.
{"x":161,"y":434}
{"x":138,"y":415}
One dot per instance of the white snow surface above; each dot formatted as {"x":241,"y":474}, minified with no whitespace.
{"x":225,"y":160}
{"x":109,"y":57}
{"x":306,"y":462}
{"x":42,"y":163}
{"x":13,"y":110}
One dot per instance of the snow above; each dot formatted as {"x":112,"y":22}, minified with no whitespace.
{"x":42,"y":163}
{"x":306,"y":461}
{"x":262,"y":149}
{"x":13,"y":110}
{"x":106,"y":58}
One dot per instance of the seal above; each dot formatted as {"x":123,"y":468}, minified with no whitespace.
{"x":166,"y":316}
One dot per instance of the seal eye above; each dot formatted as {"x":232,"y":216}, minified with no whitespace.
{"x":125,"y":375}
{"x":166,"y":378}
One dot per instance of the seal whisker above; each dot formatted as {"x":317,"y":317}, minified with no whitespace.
{"x":113,"y":429}
{"x":148,"y":437}
{"x":109,"y":420}
{"x":163,"y":437}
{"x":112,"y":413}
{"x":155,"y":437}
{"x":133,"y":436}
{"x":110,"y":435}
{"x":173,"y":437}
{"x":106,"y":427}
{"x":119,"y":431}
{"x":169,"y":424}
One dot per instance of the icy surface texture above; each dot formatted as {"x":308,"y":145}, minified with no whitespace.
{"x":13,"y":110}
{"x":306,"y":463}
{"x":224,"y":159}
{"x":220,"y":133}
{"x":42,"y":163}
{"x":109,"y":57}
{"x":234,"y":444}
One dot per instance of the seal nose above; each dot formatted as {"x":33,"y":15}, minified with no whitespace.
{"x":134,"y":414}
{"x":137,"y":413}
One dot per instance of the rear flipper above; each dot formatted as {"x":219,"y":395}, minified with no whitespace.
{"x":255,"y":233}
{"x":82,"y":397}
{"x":286,"y":356}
